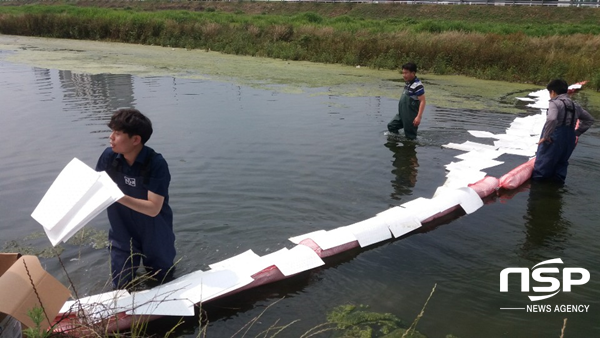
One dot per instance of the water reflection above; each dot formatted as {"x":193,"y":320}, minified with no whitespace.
{"x":405,"y":167}
{"x":291,"y":179}
{"x":545,"y":227}
{"x":43,"y":81}
{"x":96,"y":97}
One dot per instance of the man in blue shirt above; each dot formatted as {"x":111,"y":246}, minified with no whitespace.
{"x":411,"y":104}
{"x":141,"y":223}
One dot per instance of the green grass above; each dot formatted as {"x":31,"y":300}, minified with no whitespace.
{"x":522,"y":44}
{"x":476,"y":19}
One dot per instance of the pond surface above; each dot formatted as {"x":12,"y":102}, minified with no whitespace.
{"x":252,"y":167}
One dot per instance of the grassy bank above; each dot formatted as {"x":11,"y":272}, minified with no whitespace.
{"x":521,"y":44}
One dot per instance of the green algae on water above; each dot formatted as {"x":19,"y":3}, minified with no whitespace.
{"x":448,"y":91}
{"x":97,"y":239}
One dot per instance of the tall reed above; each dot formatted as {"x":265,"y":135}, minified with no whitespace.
{"x":532,"y":53}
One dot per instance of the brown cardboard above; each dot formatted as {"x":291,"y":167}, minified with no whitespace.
{"x":17,"y":294}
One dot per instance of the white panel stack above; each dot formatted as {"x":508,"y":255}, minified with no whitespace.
{"x":78,"y":194}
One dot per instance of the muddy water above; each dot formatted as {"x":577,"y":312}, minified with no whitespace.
{"x":261,"y":150}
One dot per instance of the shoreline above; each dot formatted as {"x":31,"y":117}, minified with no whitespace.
{"x":483,"y":42}
{"x":95,"y":57}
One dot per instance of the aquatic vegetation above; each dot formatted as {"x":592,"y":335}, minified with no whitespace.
{"x":358,"y":321}
{"x":476,"y":44}
{"x":448,"y":91}
{"x":30,"y":249}
{"x":97,"y":239}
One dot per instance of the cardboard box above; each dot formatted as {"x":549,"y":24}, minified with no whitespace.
{"x":23,"y":285}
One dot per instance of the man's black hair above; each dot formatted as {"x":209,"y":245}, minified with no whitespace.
{"x":131,"y":122}
{"x":410,"y":66}
{"x":559,"y":86}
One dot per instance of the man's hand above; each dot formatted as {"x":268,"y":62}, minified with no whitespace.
{"x":416,"y":121}
{"x":422,"y":103}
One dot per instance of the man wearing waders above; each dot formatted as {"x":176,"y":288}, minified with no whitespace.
{"x":411,"y":105}
{"x":141,"y":223}
{"x":559,"y":135}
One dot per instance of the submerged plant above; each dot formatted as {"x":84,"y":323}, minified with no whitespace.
{"x":358,"y":321}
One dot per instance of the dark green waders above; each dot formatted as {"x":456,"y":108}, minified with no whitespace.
{"x":408,"y":109}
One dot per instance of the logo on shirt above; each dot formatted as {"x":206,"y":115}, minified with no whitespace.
{"x":130,"y":181}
